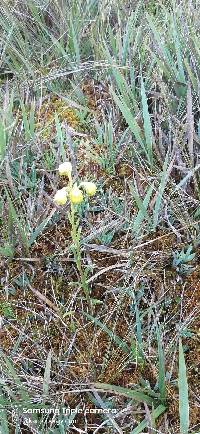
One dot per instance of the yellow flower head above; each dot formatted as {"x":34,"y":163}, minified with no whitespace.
{"x":60,"y":197}
{"x":89,"y":187}
{"x":75,"y":195}
{"x":65,"y":169}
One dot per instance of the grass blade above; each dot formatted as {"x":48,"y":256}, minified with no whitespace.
{"x":183,"y":392}
{"x":147,"y":123}
{"x":3,"y":416}
{"x":118,"y":341}
{"x":47,"y":377}
{"x":133,"y":394}
{"x":132,"y":123}
{"x":2,"y":140}
{"x":15,"y":219}
{"x":179,"y":54}
{"x":154,"y":415}
{"x":142,"y":213}
{"x":39,"y":229}
{"x":161,"y":358}
{"x":164,"y":179}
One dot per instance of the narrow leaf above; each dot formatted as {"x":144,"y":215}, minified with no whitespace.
{"x":154,"y":415}
{"x":47,"y":373}
{"x":147,"y":123}
{"x":161,"y":357}
{"x":133,"y":394}
{"x":118,"y":341}
{"x":183,"y":392}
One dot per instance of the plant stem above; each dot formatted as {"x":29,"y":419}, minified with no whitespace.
{"x":75,"y":234}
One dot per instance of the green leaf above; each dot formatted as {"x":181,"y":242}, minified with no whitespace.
{"x":147,"y":123}
{"x":47,"y":378}
{"x":4,"y":429}
{"x":133,"y":394}
{"x":15,"y":219}
{"x":142,"y":206}
{"x":132,"y":123}
{"x":118,"y":341}
{"x":161,"y":189}
{"x":2,"y":140}
{"x":8,"y":366}
{"x":154,"y":415}
{"x":161,"y":357}
{"x":179,"y":54}
{"x":28,"y":121}
{"x":183,"y":392}
{"x":38,"y":230}
{"x":164,"y":51}
{"x":7,"y":250}
{"x":191,"y":75}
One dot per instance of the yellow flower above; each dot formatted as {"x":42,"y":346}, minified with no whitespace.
{"x":60,"y":197}
{"x":75,"y":195}
{"x":65,"y":169}
{"x":89,"y":187}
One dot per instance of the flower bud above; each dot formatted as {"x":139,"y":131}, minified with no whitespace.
{"x":89,"y":187}
{"x":60,"y":197}
{"x":65,"y":169}
{"x":75,"y":195}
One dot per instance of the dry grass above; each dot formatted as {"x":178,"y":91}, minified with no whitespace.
{"x":65,"y":97}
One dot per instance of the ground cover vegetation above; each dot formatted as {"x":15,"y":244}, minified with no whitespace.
{"x":100,"y":295}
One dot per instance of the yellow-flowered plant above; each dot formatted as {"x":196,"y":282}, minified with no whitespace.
{"x":72,"y":190}
{"x":89,"y":187}
{"x":74,"y":193}
{"x":65,"y":169}
{"x":60,"y":197}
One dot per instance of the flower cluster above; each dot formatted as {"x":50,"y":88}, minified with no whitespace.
{"x":72,"y":191}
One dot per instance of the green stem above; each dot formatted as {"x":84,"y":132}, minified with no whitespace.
{"x":75,"y":234}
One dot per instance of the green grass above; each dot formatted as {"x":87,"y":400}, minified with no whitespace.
{"x":183,"y":393}
{"x":114,"y":88}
